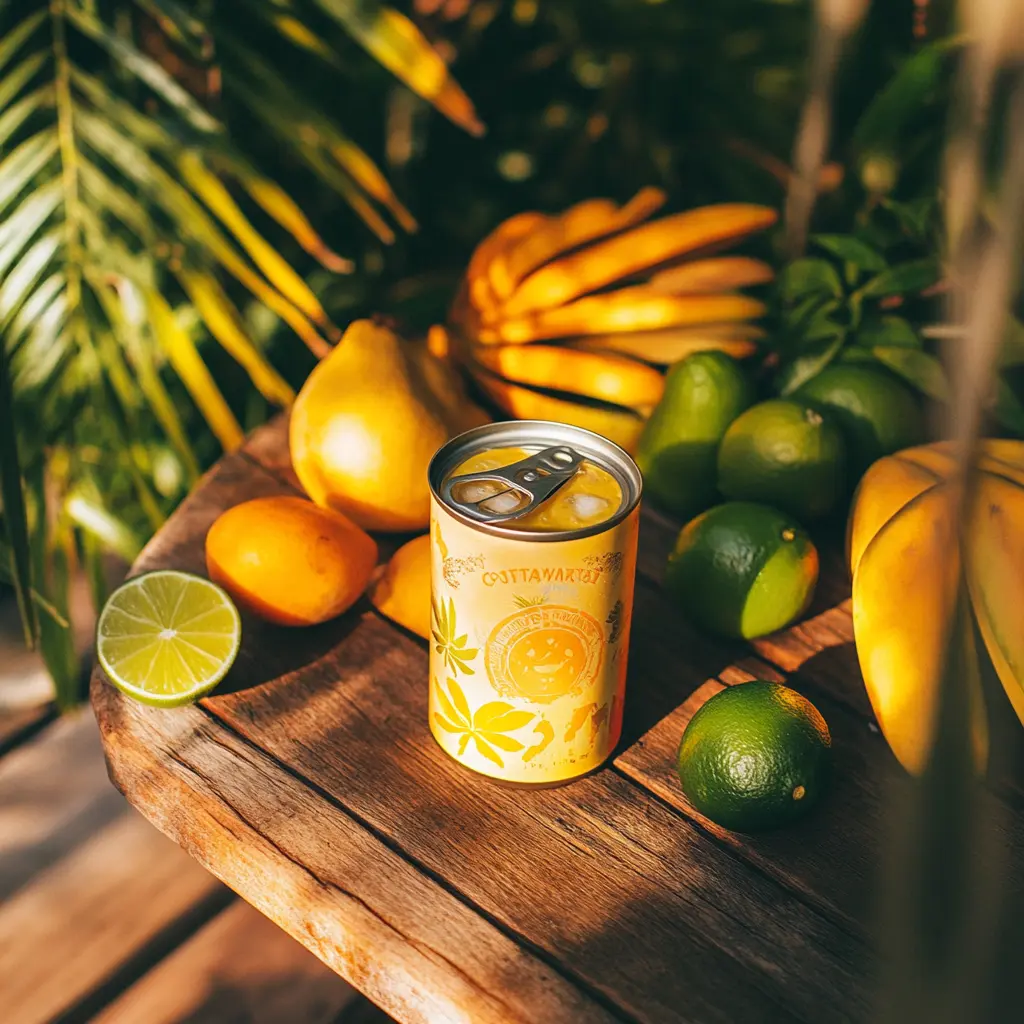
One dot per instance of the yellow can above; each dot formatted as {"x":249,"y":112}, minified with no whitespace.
{"x":533,"y":555}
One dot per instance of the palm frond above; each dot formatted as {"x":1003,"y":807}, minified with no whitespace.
{"x":130,"y":236}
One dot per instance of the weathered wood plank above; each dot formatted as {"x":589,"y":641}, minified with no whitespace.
{"x":74,"y":925}
{"x":17,"y":724}
{"x":353,"y":718}
{"x":238,"y":969}
{"x":345,"y":894}
{"x":54,"y":794}
{"x":833,"y":857}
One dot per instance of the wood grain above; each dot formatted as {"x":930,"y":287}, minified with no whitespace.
{"x":17,"y":724}
{"x":629,"y":899}
{"x":54,"y":794}
{"x":239,"y":969}
{"x":341,"y":891}
{"x":74,"y":925}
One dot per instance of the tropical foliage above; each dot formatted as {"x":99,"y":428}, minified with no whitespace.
{"x":135,"y":218}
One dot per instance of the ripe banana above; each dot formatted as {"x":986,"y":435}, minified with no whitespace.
{"x":620,"y":425}
{"x":629,"y":309}
{"x":631,"y":252}
{"x":507,"y":232}
{"x":720,"y":274}
{"x":674,"y":343}
{"x":582,"y":223}
{"x":600,"y":375}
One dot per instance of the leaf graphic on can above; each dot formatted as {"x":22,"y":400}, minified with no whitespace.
{"x":452,"y":648}
{"x":486,"y":727}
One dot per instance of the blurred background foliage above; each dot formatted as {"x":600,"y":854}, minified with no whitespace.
{"x":186,"y":188}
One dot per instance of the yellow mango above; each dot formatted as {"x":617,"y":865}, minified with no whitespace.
{"x":403,"y":591}
{"x":367,"y":422}
{"x":905,"y":561}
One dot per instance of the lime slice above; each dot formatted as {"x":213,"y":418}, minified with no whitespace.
{"x":167,"y":637}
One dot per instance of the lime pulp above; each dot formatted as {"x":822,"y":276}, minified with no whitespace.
{"x":167,"y":637}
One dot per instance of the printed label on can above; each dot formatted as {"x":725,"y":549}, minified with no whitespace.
{"x":529,"y":646}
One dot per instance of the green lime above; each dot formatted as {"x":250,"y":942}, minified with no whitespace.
{"x":755,"y":756}
{"x":678,"y":449}
{"x":743,"y":570}
{"x":877,"y":413}
{"x":784,"y":454}
{"x":167,"y":637}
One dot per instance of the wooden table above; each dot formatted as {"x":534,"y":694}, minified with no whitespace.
{"x":310,"y":785}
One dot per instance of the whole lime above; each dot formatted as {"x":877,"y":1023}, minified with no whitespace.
{"x":743,"y":570}
{"x":755,"y":756}
{"x":678,"y":449}
{"x":785,"y":454}
{"x":877,"y":413}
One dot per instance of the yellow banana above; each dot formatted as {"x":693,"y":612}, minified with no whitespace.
{"x":578,"y":224}
{"x":674,"y":343}
{"x":480,"y":294}
{"x":617,"y":424}
{"x":720,"y":274}
{"x":633,"y":251}
{"x":582,"y":223}
{"x":606,"y":377}
{"x":629,"y":309}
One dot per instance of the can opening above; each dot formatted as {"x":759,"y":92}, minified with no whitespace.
{"x":502,"y":492}
{"x":549,"y":481}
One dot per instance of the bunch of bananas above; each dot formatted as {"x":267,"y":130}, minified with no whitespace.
{"x":572,"y":317}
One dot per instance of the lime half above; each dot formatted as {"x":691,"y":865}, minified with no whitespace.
{"x":167,"y":637}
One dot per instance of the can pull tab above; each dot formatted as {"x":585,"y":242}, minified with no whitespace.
{"x":497,"y":495}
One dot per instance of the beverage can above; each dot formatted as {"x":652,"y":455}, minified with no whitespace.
{"x":533,"y":556}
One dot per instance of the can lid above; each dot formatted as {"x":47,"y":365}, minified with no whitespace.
{"x":536,"y":436}
{"x":520,"y":487}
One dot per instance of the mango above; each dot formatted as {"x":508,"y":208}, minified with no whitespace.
{"x":289,"y":561}
{"x":905,"y":563}
{"x":367,"y":422}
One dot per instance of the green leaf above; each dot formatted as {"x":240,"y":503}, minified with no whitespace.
{"x":24,"y":163}
{"x":887,"y":331}
{"x":19,"y":77}
{"x":1008,"y":409}
{"x":809,"y":277}
{"x":181,"y":25}
{"x":12,"y":40}
{"x":19,"y":229}
{"x":52,"y":560}
{"x":15,"y":519}
{"x":852,"y":250}
{"x":402,"y":48}
{"x":880,"y":126}
{"x":29,"y":269}
{"x":809,"y":363}
{"x":15,"y":116}
{"x":34,"y":307}
{"x":123,"y":311}
{"x":923,"y":371}
{"x":86,"y":510}
{"x":902,"y":279}
{"x":915,"y":216}
{"x":856,"y":354}
{"x":145,"y":69}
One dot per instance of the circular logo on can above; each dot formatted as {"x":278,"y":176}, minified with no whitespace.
{"x":544,"y":652}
